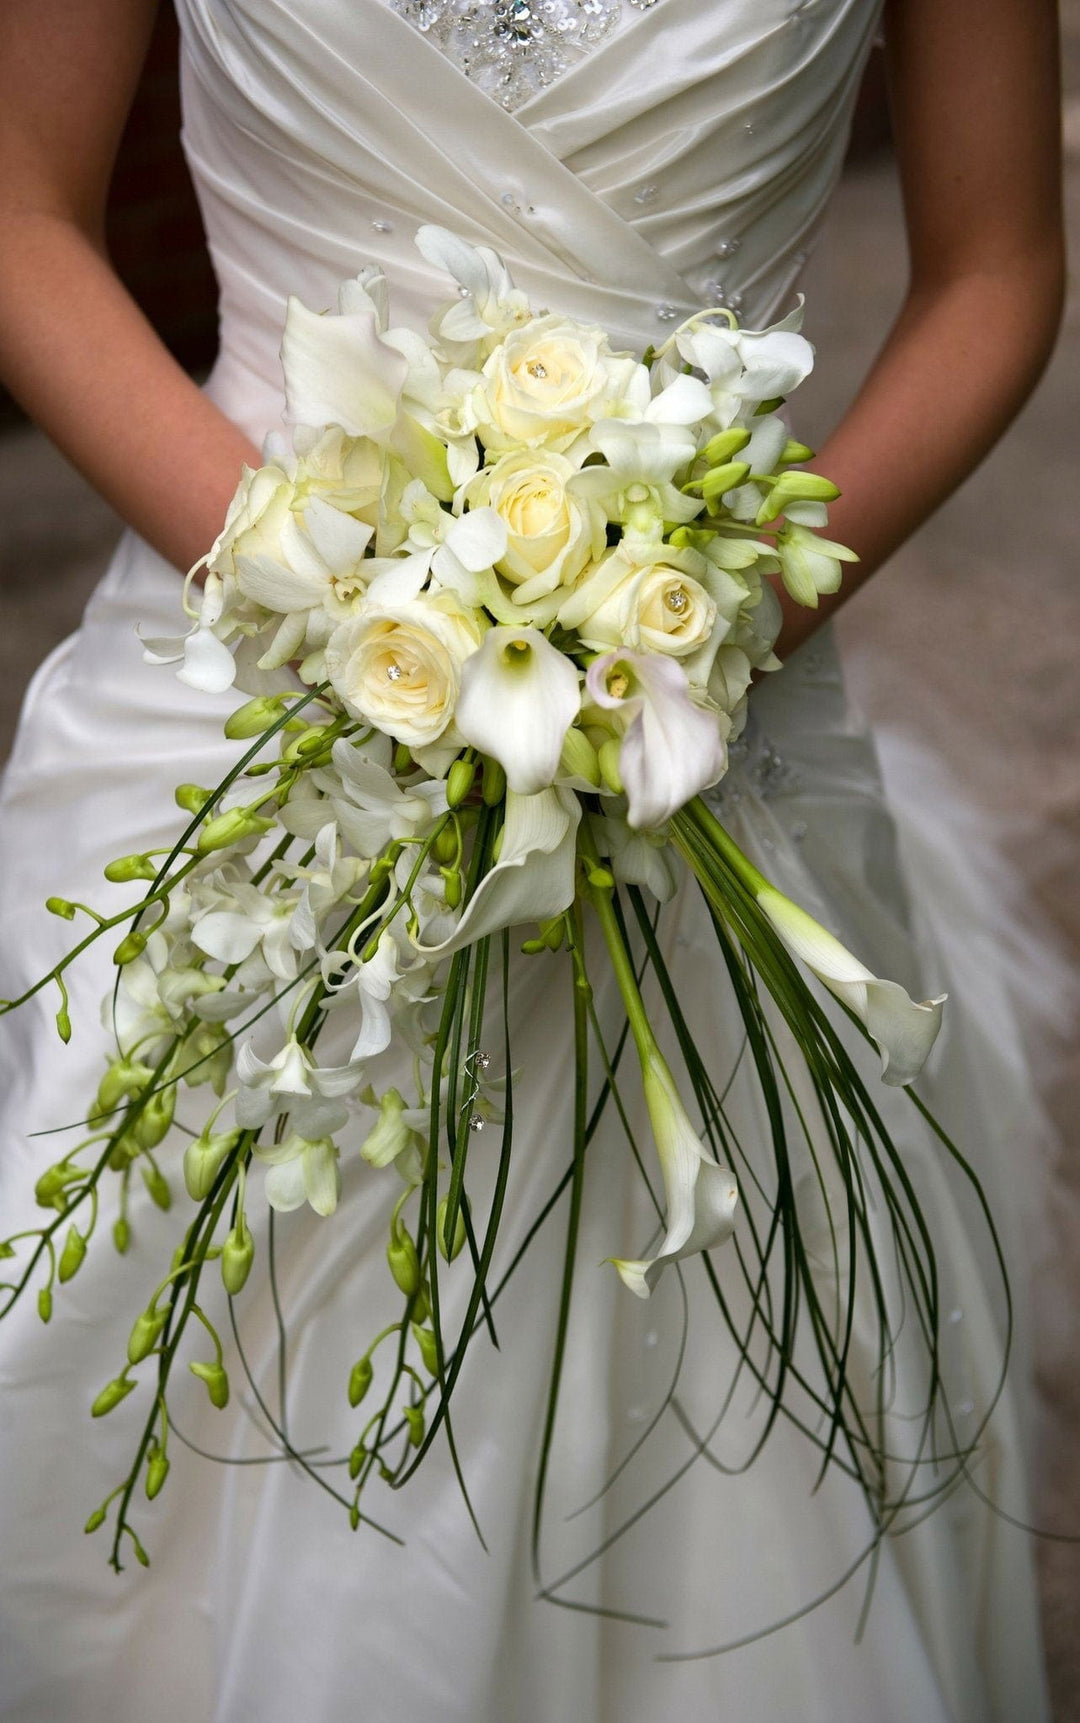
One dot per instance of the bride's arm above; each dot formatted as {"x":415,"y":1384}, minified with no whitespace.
{"x":74,"y":348}
{"x":976,"y":103}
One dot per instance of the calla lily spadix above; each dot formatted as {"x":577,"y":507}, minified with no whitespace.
{"x":672,"y":748}
{"x":518,"y":698}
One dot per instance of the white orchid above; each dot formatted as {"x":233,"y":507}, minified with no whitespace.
{"x":809,"y":564}
{"x":371,"y":806}
{"x":446,"y":548}
{"x":303,"y":1167}
{"x":519,"y":696}
{"x":744,"y":367}
{"x":248,"y":919}
{"x":672,"y":748}
{"x":280,"y":1084}
{"x":634,"y":486}
{"x":701,"y":1197}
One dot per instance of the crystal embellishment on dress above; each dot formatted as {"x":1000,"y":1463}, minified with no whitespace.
{"x":514,"y":48}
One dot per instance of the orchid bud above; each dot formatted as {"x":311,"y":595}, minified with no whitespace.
{"x":124,"y":1077}
{"x":217,"y":1382}
{"x":578,"y":758}
{"x":96,"y":1520}
{"x":314,"y":740}
{"x":254,"y":717}
{"x":121,"y":1234}
{"x":140,"y":1554}
{"x":404,"y":1262}
{"x":452,"y":889}
{"x":445,"y":846}
{"x":793,"y":452}
{"x":722,"y":447}
{"x":192,"y":798}
{"x":429,"y":1350}
{"x":356,"y":1460}
{"x":237,"y":1256}
{"x":123,"y":1152}
{"x":494,"y":783}
{"x":157,"y":1470}
{"x":48,"y":1192}
{"x":719,"y":480}
{"x":132,"y":867}
{"x":72,"y":1255}
{"x":131,"y":946}
{"x":458,"y":1239}
{"x":155,"y":1118}
{"x":203,"y":1160}
{"x":402,"y":757}
{"x":61,"y":906}
{"x":360,"y":1379}
{"x":421,"y":1309}
{"x":459,"y":782}
{"x":145,"y":1334}
{"x":63,"y":1024}
{"x":230,"y":828}
{"x":158,"y":1186}
{"x":44,"y":1303}
{"x":354,"y":1515}
{"x":601,"y":878}
{"x":414,"y":1418}
{"x":111,"y":1395}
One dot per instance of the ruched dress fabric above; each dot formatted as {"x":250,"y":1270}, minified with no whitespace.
{"x":697,"y":143}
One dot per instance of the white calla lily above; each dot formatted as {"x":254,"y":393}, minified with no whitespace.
{"x":519,"y":696}
{"x":338,"y":369}
{"x":904,"y":1030}
{"x":533,"y":878}
{"x":672,"y":748}
{"x":701,"y":1197}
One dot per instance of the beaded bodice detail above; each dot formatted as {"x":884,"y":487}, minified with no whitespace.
{"x":513,"y":48}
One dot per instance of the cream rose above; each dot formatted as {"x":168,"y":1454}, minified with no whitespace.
{"x":260,"y":509}
{"x":547,"y":383}
{"x":400,"y":667}
{"x":550,"y":533}
{"x":657,"y":606}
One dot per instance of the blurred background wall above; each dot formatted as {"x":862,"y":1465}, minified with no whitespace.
{"x":966,"y":643}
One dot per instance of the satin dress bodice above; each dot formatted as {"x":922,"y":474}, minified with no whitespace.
{"x":685,"y":160}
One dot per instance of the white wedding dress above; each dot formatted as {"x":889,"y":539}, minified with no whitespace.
{"x":686,"y":157}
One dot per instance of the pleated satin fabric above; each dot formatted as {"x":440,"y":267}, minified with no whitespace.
{"x":697,"y":145}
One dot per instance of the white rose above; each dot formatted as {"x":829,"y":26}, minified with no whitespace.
{"x":550,"y":533}
{"x":657,"y":606}
{"x":260,"y":508}
{"x":399,"y":667}
{"x":548,"y":382}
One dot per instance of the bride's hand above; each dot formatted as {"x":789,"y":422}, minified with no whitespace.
{"x":75,"y":350}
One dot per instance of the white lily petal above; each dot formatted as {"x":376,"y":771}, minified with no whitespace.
{"x":338,"y":371}
{"x":534,"y":876}
{"x":519,"y":695}
{"x":672,"y":748}
{"x":905,"y":1030}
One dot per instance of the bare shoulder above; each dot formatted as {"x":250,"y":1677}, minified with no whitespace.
{"x":67,"y":76}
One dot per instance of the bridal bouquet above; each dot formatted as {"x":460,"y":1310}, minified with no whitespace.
{"x":496,"y":603}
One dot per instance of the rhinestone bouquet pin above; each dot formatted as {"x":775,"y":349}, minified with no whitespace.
{"x":496,"y":603}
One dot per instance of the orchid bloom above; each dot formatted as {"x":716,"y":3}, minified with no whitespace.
{"x":672,"y":748}
{"x":701,"y":1196}
{"x":519,"y":696}
{"x":303,"y":1167}
{"x":634,"y":486}
{"x":290,"y":1077}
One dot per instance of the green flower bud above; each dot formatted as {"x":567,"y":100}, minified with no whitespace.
{"x":154,"y":1119}
{"x":145,"y":1334}
{"x":140,"y":1554}
{"x":158,"y":1186}
{"x":414,"y":1418}
{"x":237,"y":1256}
{"x":72,"y":1255}
{"x":601,"y":878}
{"x":719,"y":480}
{"x":111,"y":1395}
{"x":354,"y":1515}
{"x":191,"y":797}
{"x":203,"y":1160}
{"x":121,"y":1233}
{"x":451,"y":886}
{"x":360,"y":1379}
{"x":728,"y":443}
{"x":420,"y":1307}
{"x":795,"y":487}
{"x":794,"y":452}
{"x":769,"y":406}
{"x":254,"y":717}
{"x":313,"y":741}
{"x":157,"y":1470}
{"x":44,"y":1303}
{"x":578,"y":758}
{"x":402,"y":757}
{"x":96,"y":1520}
{"x":429,"y":1351}
{"x":61,"y":906}
{"x":7,"y":1251}
{"x":553,"y":932}
{"x":230,"y":828}
{"x":126,"y":868}
{"x":131,"y":946}
{"x":458,"y":1240}
{"x":63,"y":1024}
{"x":123,"y":1152}
{"x":445,"y":847}
{"x":356,"y":1460}
{"x":494,"y":783}
{"x":608,"y":759}
{"x":404,"y":1262}
{"x":459,"y":782}
{"x":217,"y":1383}
{"x":49,"y":1190}
{"x":124,"y":1077}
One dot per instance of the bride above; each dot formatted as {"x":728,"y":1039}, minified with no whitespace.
{"x":630,"y":160}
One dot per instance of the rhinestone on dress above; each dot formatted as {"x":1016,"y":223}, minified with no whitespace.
{"x":728,"y":247}
{"x":647,"y":193}
{"x":667,"y":313}
{"x":514,"y":48}
{"x":382,"y":227}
